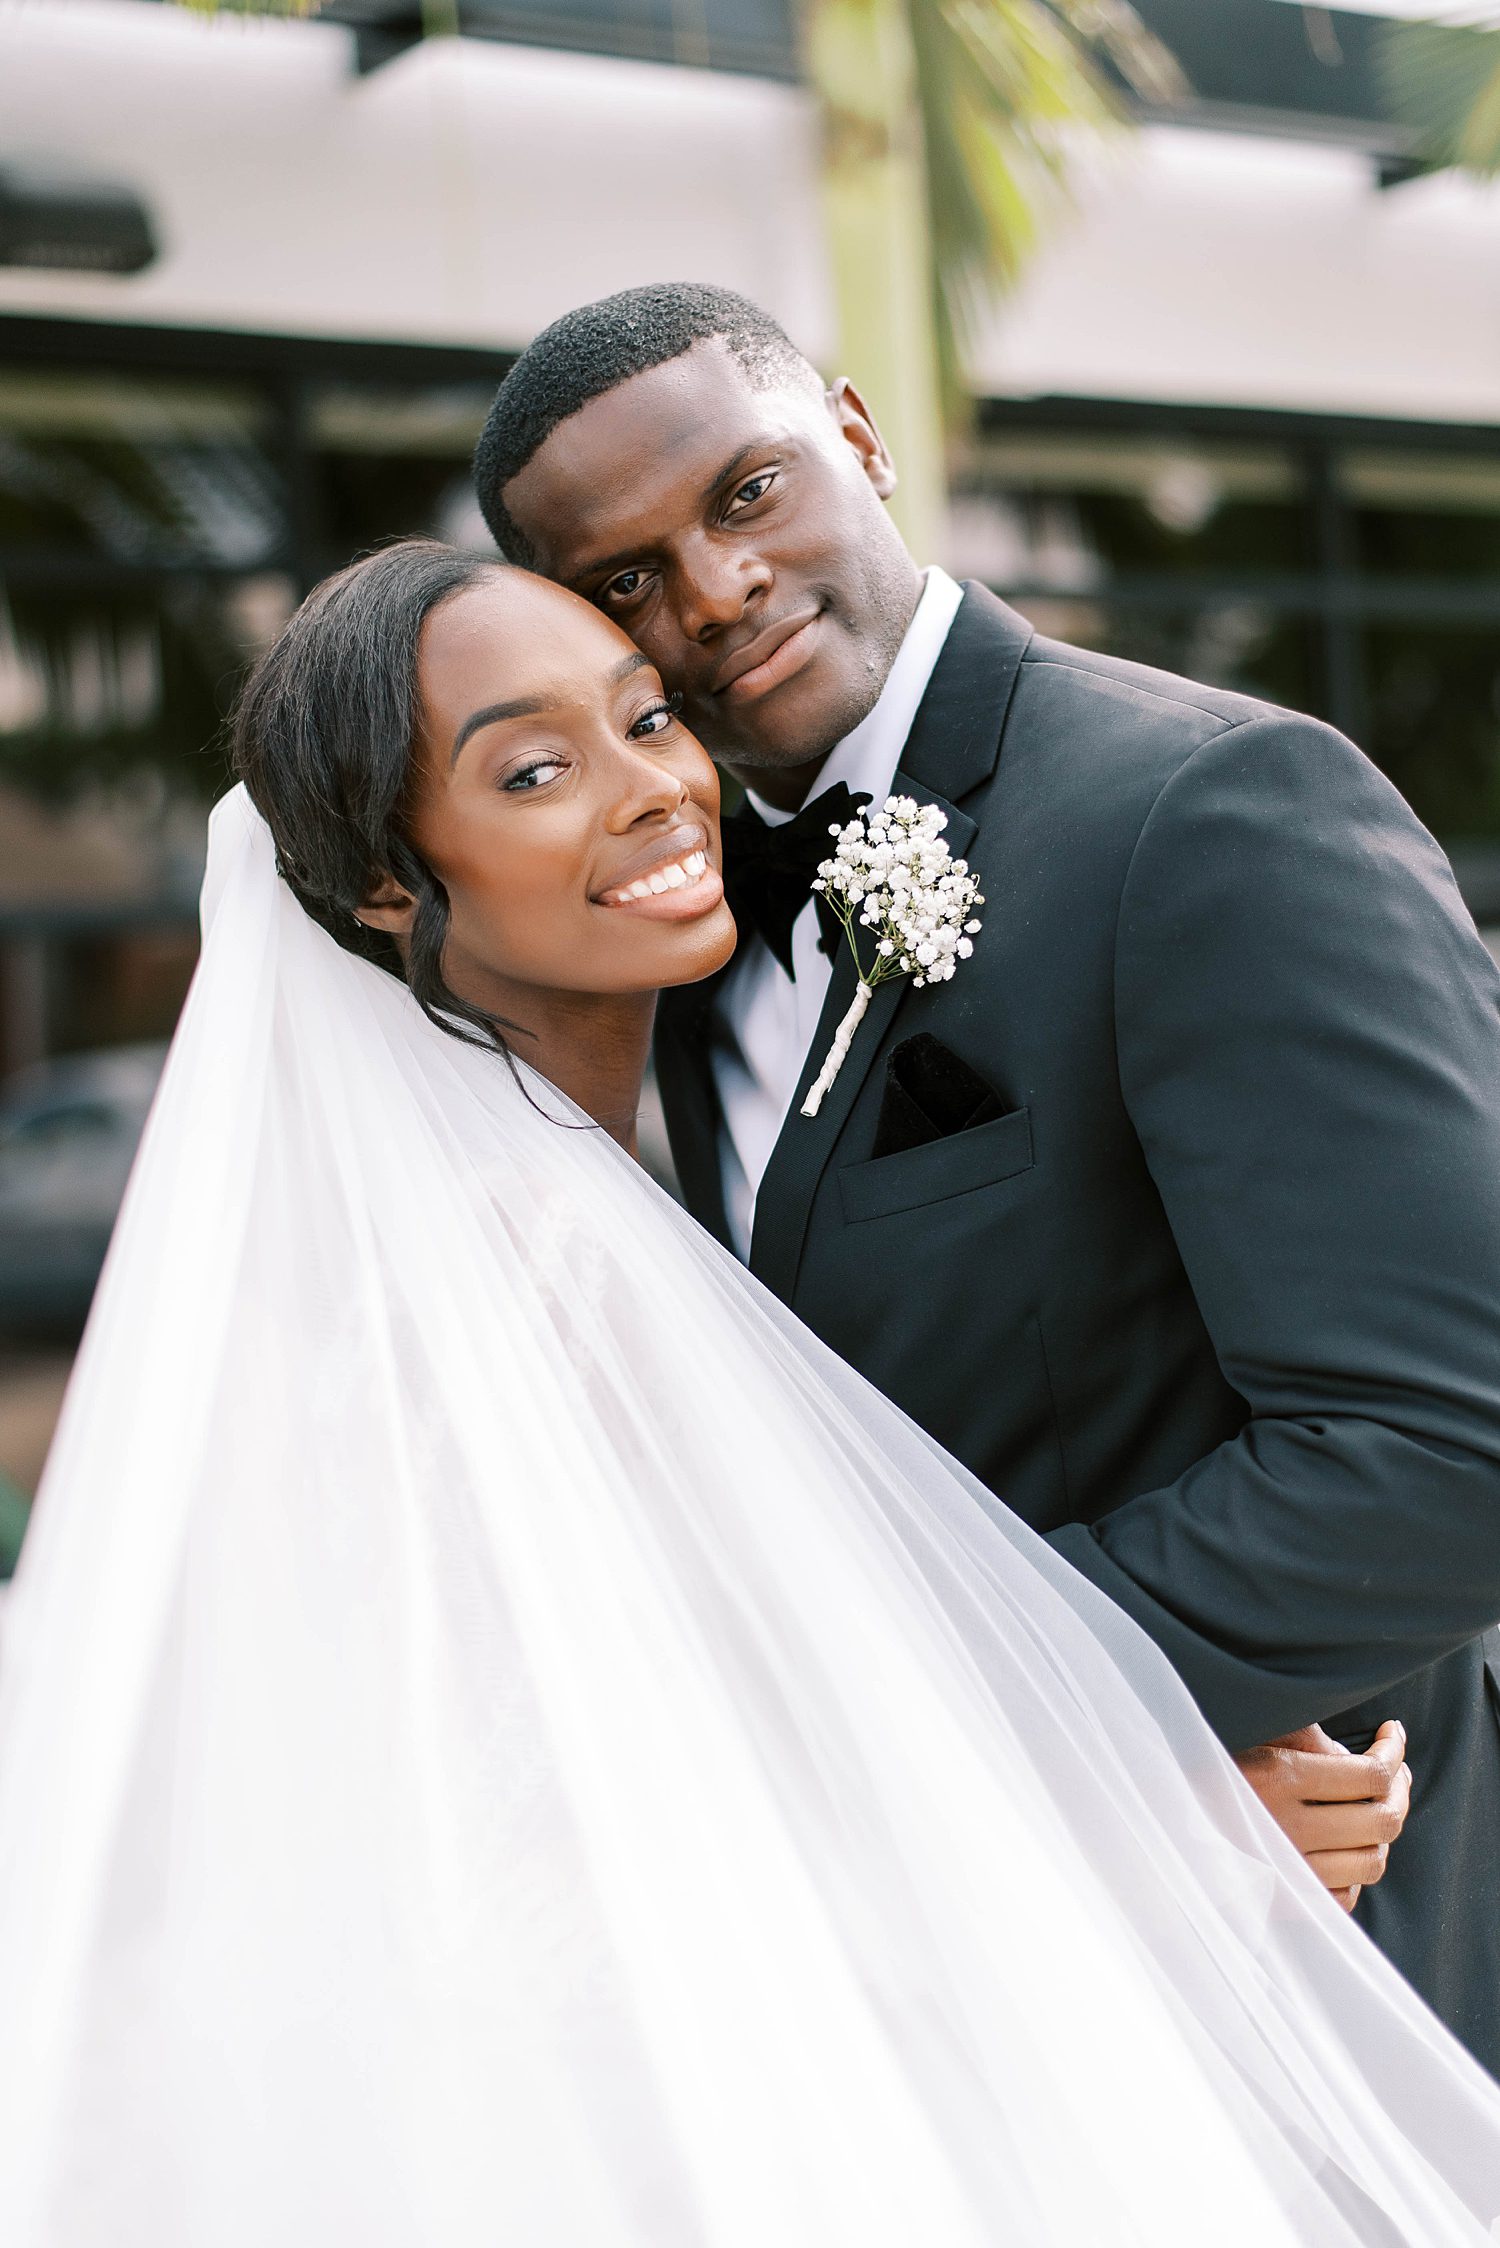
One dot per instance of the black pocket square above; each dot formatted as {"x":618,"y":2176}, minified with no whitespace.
{"x":930,"y":1093}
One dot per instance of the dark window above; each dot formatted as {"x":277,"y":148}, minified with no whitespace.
{"x":1353,"y":571}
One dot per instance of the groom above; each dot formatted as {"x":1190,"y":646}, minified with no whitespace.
{"x":1175,"y":1214}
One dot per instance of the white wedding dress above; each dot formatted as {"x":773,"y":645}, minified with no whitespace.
{"x":506,"y":1743}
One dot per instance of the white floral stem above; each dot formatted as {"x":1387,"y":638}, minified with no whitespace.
{"x":843,"y":1039}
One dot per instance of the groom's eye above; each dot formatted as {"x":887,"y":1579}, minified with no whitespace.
{"x":624,"y":587}
{"x":753,"y":489}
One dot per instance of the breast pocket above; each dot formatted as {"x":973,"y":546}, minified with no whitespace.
{"x":959,"y":1164}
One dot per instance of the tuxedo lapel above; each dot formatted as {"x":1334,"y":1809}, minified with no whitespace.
{"x":681,"y":1052}
{"x":806,"y":1142}
{"x":954,"y":743}
{"x":951,"y":751}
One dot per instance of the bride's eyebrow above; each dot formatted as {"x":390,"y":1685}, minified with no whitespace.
{"x":524,"y":706}
{"x":532,"y":706}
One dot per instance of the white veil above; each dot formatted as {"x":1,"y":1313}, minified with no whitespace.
{"x":503,"y":1739}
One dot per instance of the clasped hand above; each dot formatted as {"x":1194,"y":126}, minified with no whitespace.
{"x":1341,"y":1811}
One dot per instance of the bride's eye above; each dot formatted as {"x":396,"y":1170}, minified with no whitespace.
{"x":540,"y":769}
{"x":656,"y":720}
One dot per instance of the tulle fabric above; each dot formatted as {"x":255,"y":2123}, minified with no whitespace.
{"x":503,"y":1739}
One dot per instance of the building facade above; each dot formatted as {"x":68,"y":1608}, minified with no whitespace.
{"x":258,"y":280}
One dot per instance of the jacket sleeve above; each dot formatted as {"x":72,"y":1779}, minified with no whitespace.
{"x":1308,"y":1031}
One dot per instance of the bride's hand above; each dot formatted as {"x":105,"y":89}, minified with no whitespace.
{"x":1341,"y":1811}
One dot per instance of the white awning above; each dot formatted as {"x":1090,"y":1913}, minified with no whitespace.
{"x":465,"y":193}
{"x":468,"y":192}
{"x":1231,"y":269}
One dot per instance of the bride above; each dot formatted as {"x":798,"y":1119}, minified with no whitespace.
{"x":503,"y":1739}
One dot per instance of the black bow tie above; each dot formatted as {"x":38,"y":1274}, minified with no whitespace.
{"x":768,"y":871}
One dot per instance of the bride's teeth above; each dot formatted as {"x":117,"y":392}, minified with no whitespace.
{"x":677,"y":876}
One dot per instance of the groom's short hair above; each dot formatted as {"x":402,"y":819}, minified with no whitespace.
{"x":595,"y":349}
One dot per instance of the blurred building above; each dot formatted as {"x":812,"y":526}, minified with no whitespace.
{"x":1242,"y":417}
{"x":258,"y":280}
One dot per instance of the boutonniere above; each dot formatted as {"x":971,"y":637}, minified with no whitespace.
{"x":892,"y":873}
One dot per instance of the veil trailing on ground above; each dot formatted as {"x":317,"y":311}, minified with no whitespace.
{"x":504,"y":1738}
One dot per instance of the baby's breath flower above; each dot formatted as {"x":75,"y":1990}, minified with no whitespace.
{"x":892,"y":871}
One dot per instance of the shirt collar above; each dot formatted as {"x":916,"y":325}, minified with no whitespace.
{"x":867,"y":756}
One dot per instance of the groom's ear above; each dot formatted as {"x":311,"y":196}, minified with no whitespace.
{"x":388,"y":907}
{"x":861,"y":432}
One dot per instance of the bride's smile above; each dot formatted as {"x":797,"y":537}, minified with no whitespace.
{"x":671,"y":876}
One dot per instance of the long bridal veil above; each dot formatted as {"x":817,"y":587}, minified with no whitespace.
{"x":504,"y":1739}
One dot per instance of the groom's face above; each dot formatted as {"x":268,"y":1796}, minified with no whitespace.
{"x":738,"y":534}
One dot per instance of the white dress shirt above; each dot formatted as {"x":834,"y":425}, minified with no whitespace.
{"x":765,"y":1019}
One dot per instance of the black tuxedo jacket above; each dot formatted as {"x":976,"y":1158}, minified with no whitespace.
{"x":1212,"y":1298}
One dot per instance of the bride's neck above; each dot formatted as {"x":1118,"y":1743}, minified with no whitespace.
{"x":592,"y":1048}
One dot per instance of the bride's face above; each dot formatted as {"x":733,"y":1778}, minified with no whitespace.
{"x":572,"y":820}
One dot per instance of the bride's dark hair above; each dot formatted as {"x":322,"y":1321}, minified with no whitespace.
{"x":323,"y":737}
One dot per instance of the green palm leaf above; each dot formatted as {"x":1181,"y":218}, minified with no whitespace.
{"x":251,"y":7}
{"x":1003,"y":87}
{"x":947,"y":126}
{"x":999,"y":85}
{"x":1445,"y":84}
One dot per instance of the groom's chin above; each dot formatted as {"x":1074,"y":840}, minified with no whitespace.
{"x":796,"y":727}
{"x":792,"y":730}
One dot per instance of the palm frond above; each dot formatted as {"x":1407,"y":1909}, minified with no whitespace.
{"x":1004,"y":86}
{"x":1112,"y":30}
{"x":251,"y":7}
{"x":1445,"y":85}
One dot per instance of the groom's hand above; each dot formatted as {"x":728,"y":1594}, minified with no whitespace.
{"x":1341,"y":1811}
